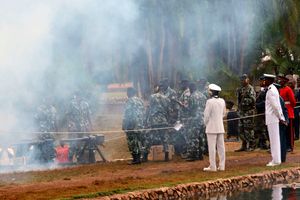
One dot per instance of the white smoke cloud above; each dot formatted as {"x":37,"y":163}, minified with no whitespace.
{"x":48,"y":45}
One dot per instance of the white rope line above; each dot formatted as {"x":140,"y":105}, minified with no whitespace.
{"x":116,"y":138}
{"x":250,"y":116}
{"x":118,"y":131}
{"x":238,"y":118}
{"x":88,"y":132}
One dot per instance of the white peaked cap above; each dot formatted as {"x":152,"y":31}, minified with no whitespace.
{"x":269,"y":76}
{"x":214,"y":87}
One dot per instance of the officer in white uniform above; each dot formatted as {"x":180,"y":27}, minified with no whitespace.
{"x":214,"y":112}
{"x":273,"y":116}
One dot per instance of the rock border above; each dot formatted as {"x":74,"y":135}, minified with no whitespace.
{"x":204,"y":189}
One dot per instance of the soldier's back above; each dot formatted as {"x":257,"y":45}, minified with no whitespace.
{"x":134,"y":113}
{"x":158,"y":110}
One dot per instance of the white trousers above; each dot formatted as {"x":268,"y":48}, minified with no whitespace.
{"x":216,"y":141}
{"x":273,"y":130}
{"x":277,"y":192}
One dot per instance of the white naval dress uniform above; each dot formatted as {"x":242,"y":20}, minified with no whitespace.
{"x":214,"y":112}
{"x":273,"y":115}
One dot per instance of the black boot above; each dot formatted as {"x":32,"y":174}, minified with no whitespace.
{"x":200,"y":155}
{"x":166,"y":156}
{"x":135,"y":159}
{"x":145,"y":157}
{"x":138,"y":158}
{"x":243,"y":147}
{"x":193,"y":157}
{"x":260,"y":143}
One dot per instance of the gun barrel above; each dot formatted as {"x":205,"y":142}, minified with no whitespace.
{"x":98,"y":138}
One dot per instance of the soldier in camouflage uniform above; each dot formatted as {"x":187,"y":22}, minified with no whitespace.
{"x":184,"y":117}
{"x":203,"y":88}
{"x":172,"y":96}
{"x":195,"y":139}
{"x":132,"y":121}
{"x":79,"y":122}
{"x":173,"y":107}
{"x":260,"y":129}
{"x":46,"y":119}
{"x":246,"y":108}
{"x":47,"y":124}
{"x":157,"y":117}
{"x":79,"y":113}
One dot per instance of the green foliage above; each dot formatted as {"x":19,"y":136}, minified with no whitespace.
{"x":281,"y":36}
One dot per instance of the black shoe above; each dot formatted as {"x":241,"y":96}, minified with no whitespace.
{"x":191,"y":159}
{"x":134,"y":162}
{"x":145,"y":157}
{"x":136,"y":159}
{"x":264,"y":147}
{"x":166,"y":156}
{"x":243,"y":147}
{"x":183,"y":156}
{"x":200,"y":157}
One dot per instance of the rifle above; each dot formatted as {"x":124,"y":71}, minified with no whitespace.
{"x":178,"y":102}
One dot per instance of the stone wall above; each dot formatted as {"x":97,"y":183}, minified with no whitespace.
{"x":220,"y":186}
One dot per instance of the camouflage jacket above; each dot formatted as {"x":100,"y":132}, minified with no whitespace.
{"x":133,"y":114}
{"x":260,"y":101}
{"x":174,"y":107}
{"x":197,"y":105}
{"x":85,"y":114}
{"x":246,"y":98}
{"x":184,"y":110}
{"x":158,"y":111}
{"x":205,"y":93}
{"x":79,"y":116}
{"x":46,"y":118}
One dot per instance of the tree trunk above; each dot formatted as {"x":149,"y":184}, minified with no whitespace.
{"x":149,"y":56}
{"x":160,"y":71}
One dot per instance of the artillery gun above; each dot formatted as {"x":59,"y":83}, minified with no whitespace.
{"x":85,"y":148}
{"x":43,"y":151}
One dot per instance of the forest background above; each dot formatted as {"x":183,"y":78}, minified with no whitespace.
{"x":215,"y":39}
{"x":54,"y":49}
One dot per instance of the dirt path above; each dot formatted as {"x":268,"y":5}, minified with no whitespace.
{"x":67,"y":182}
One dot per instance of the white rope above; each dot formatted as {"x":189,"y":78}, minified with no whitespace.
{"x":118,"y":131}
{"x":116,"y":138}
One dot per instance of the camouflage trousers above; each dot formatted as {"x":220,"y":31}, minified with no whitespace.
{"x":193,"y":141}
{"x":246,"y":127}
{"x":156,"y":137}
{"x":46,"y":151}
{"x":180,"y":138}
{"x":196,"y":140}
{"x":203,"y":140}
{"x":179,"y":142}
{"x":134,"y":141}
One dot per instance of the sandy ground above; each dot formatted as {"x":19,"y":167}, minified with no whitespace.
{"x":101,"y":177}
{"x":67,"y":182}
